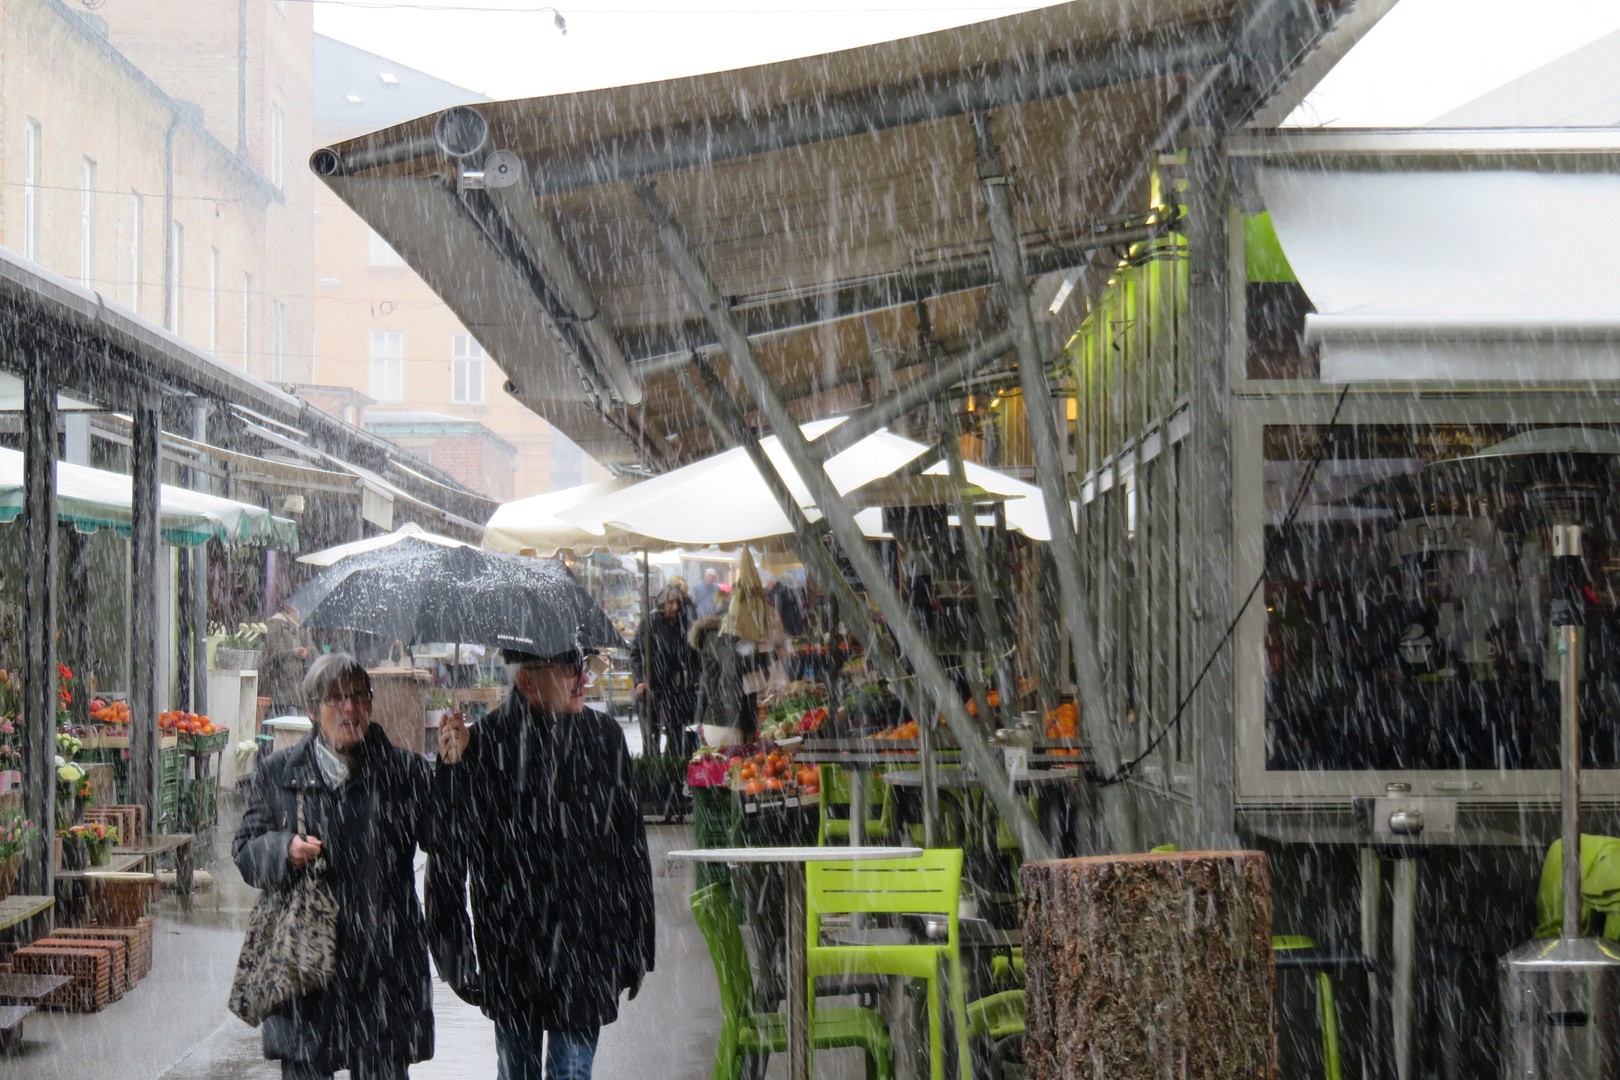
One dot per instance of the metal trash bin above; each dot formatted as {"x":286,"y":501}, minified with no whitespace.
{"x":1561,"y":1009}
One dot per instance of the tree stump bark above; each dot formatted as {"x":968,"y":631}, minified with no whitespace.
{"x":1149,"y":967}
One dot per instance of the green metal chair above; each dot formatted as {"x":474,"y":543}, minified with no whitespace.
{"x":1328,"y":1012}
{"x":929,"y":885}
{"x":744,"y":1032}
{"x":1600,"y":888}
{"x":997,"y":1016}
{"x":835,"y":792}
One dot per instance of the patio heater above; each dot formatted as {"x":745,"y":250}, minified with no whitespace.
{"x":1561,"y":998}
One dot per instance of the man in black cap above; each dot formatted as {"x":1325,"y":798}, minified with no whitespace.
{"x":537,"y":808}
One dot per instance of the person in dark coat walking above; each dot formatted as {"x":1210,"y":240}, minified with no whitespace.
{"x":665,"y":670}
{"x":537,"y":808}
{"x":364,"y":811}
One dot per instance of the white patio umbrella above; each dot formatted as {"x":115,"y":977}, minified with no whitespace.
{"x":408,"y":531}
{"x":534,"y":522}
{"x":1026,"y":512}
{"x":723,"y":499}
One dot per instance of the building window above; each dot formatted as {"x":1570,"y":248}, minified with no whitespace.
{"x":278,"y":341}
{"x":382,"y":254}
{"x":387,"y":365}
{"x":173,"y":316}
{"x":213,"y":300}
{"x":32,"y":149}
{"x":278,"y":146}
{"x":247,"y":319}
{"x":87,"y":223}
{"x":466,"y":370}
{"x":135,"y":252}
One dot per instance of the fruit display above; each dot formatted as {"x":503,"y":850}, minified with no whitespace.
{"x":185,"y":723}
{"x":115,"y":712}
{"x":1063,"y":722}
{"x":753,"y":770}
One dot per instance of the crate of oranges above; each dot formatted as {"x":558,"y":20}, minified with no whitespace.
{"x":197,"y":734}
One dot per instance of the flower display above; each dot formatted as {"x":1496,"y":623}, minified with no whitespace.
{"x":16,"y":832}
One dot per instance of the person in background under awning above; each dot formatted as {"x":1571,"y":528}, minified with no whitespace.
{"x":665,"y":671}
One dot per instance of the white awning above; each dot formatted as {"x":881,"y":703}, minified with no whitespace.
{"x":1454,"y":275}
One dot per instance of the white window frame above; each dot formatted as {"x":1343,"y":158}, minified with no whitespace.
{"x":276,"y":154}
{"x":247,"y":319}
{"x":87,"y":223}
{"x":388,"y":365}
{"x":383,"y":253}
{"x":135,"y":216}
{"x":33,"y":151}
{"x":213,"y":299}
{"x":466,"y":370}
{"x":278,"y":341}
{"x":174,"y":310}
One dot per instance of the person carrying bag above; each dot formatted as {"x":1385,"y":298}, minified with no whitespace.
{"x":291,"y":942}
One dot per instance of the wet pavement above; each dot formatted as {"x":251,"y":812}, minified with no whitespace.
{"x":174,"y":1024}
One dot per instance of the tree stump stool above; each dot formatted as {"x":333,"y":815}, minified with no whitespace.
{"x":1149,"y":967}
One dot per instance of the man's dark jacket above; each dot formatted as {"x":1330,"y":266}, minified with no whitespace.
{"x":541,"y":817}
{"x":661,"y":658}
{"x":379,"y":1006}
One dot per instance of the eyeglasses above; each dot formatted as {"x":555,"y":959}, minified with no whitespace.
{"x":336,"y":698}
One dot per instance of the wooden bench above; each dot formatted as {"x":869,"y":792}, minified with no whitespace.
{"x":29,"y":989}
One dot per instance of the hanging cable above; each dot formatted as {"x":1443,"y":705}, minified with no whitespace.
{"x":1125,"y":770}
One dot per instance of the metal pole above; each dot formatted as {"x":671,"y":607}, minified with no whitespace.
{"x":992,"y":774}
{"x":1371,"y":902}
{"x":798,"y":985}
{"x":145,"y":551}
{"x":1119,"y":810}
{"x":199,"y":577}
{"x":978,"y":560}
{"x":1403,"y":945}
{"x":39,"y":613}
{"x":1570,"y":775}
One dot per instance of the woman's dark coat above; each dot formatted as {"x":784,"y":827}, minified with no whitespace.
{"x":723,"y":699}
{"x":379,"y":1006}
{"x":541,"y":816}
{"x":660,"y":657}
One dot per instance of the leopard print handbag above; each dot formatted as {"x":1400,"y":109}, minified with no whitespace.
{"x":291,"y":943}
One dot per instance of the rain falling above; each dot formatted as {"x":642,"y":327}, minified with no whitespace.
{"x":769,"y":540}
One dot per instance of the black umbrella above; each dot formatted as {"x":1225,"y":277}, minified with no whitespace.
{"x":417,"y":592}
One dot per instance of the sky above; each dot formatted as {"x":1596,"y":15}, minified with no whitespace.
{"x":1423,"y":59}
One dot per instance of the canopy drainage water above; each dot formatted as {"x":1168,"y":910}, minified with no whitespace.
{"x":1561,"y":997}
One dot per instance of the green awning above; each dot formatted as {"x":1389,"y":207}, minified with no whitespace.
{"x":94,"y":499}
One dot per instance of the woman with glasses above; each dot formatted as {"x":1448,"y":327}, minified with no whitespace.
{"x":538,"y":810}
{"x":347,"y":803}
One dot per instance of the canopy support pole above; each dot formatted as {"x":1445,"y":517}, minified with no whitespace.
{"x":199,"y":577}
{"x":819,"y":563}
{"x":39,"y":612}
{"x":145,"y":551}
{"x":1119,"y":809}
{"x":992,"y":775}
{"x":978,"y":560}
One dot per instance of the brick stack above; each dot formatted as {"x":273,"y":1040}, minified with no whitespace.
{"x":137,"y":941}
{"x":91,"y":969}
{"x":117,"y":951}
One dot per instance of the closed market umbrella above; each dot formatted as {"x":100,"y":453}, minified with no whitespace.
{"x":415,"y":592}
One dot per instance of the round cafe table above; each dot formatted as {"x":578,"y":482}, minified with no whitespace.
{"x":798,"y":1003}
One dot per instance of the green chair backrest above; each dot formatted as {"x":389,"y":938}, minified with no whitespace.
{"x":711,"y":907}
{"x":1600,"y":886}
{"x":930,"y":884}
{"x":835,"y":787}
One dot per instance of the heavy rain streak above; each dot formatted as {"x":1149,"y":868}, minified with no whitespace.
{"x":788,"y":539}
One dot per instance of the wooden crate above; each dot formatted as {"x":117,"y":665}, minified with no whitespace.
{"x":137,"y":943}
{"x":118,"y":951}
{"x":91,"y":970}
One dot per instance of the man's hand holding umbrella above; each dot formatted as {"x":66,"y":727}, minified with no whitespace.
{"x":453,"y":737}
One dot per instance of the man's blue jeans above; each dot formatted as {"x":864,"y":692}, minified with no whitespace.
{"x":567,"y":1054}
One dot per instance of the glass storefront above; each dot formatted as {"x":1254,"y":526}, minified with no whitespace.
{"x":1407,"y":602}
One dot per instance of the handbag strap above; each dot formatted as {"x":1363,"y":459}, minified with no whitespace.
{"x":301,"y":829}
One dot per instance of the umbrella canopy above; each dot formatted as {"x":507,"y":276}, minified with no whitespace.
{"x":92,"y":499}
{"x":534,"y":523}
{"x":408,"y":531}
{"x":413,"y":592}
{"x":723,"y":499}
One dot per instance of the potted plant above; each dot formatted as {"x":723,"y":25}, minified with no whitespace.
{"x":74,"y":855}
{"x":73,"y":792}
{"x":97,"y":839}
{"x":239,"y":649}
{"x":438,"y":703}
{"x":16,"y":833}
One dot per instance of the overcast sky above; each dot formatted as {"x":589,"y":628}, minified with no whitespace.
{"x":1425,"y":58}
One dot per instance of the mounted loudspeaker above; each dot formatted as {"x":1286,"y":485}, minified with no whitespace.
{"x":502,"y":169}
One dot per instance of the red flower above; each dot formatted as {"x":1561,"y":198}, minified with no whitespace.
{"x":62,"y":670}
